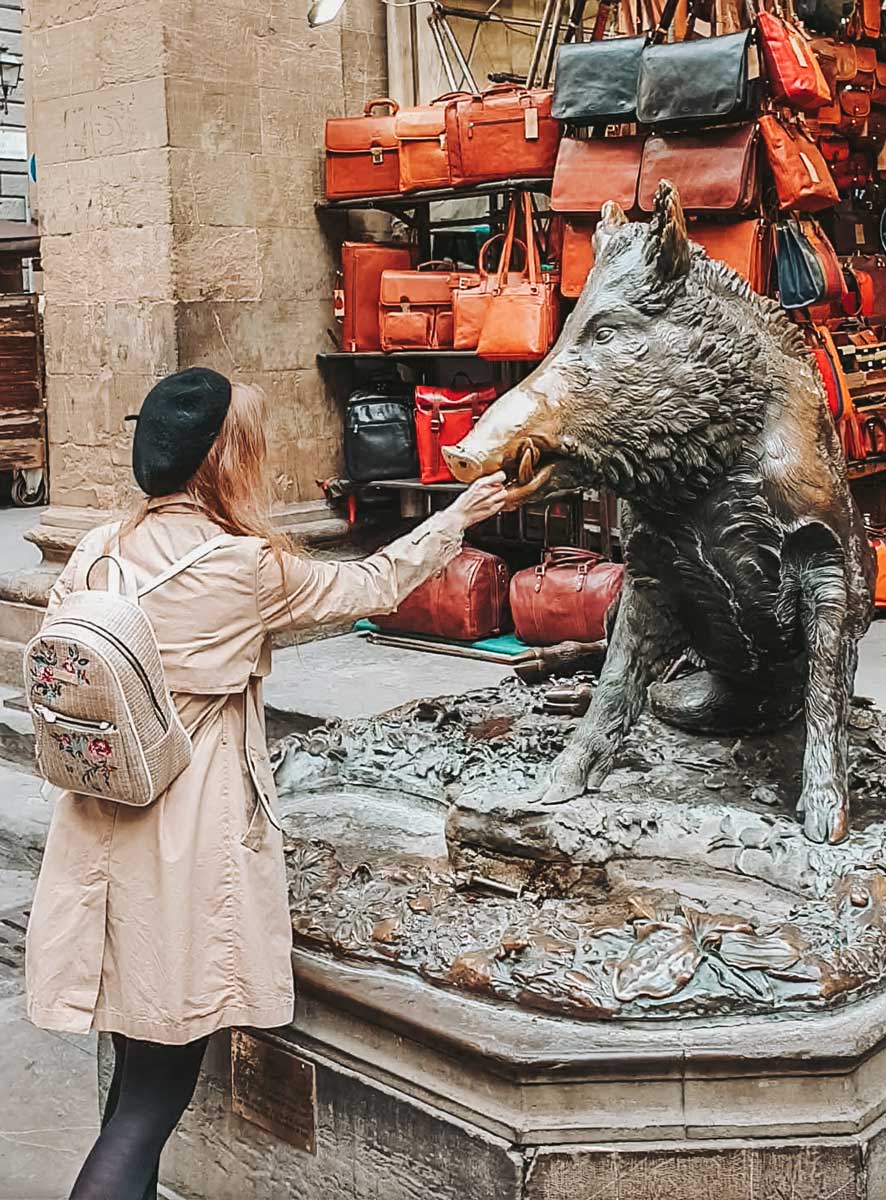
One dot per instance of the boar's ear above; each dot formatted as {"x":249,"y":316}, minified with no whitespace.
{"x":612,"y":217}
{"x":668,"y":246}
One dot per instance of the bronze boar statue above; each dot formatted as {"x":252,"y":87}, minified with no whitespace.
{"x":696,"y":401}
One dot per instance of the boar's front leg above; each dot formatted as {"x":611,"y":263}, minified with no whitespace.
{"x":645,"y":640}
{"x":833,"y":656}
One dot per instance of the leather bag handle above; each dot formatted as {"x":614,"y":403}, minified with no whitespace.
{"x":379,"y":102}
{"x":434,"y":263}
{"x":481,"y":257}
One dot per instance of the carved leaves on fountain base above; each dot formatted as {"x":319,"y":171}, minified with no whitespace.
{"x":615,"y":911}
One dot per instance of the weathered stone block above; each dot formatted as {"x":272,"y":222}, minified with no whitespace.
{"x":218,"y":118}
{"x":115,"y":120}
{"x":141,"y":337}
{"x":296,"y":265}
{"x":290,"y":124}
{"x":214,"y":263}
{"x":120,"y":264}
{"x":200,"y":39}
{"x":123,"y":190}
{"x":367,"y":74}
{"x":242,"y":190}
{"x":63,"y":61}
{"x":248,"y":336}
{"x":75,"y":338}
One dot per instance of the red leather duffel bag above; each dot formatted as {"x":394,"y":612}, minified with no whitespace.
{"x":464,"y":602}
{"x":443,"y":416}
{"x":566,"y":598}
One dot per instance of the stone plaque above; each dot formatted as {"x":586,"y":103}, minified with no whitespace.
{"x":274,"y":1088}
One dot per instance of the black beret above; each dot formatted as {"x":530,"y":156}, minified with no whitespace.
{"x":179,"y":420}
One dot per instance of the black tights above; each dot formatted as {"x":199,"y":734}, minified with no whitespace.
{"x":151,"y":1087}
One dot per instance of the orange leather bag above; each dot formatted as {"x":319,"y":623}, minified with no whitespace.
{"x":415,"y":308}
{"x":578,"y":255}
{"x":878,"y":95}
{"x":424,"y":158}
{"x":466,"y":601}
{"x":795,"y":76}
{"x":567,"y":598}
{"x":470,"y":296}
{"x":506,"y":132}
{"x":363,"y":154}
{"x":802,"y":179}
{"x":746,"y":246}
{"x":878,"y":541}
{"x":588,"y":173}
{"x":864,"y":25}
{"x":855,"y":109}
{"x":363,"y":264}
{"x":522,"y":315}
{"x":714,"y":170}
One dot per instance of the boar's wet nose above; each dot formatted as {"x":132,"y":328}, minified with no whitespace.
{"x":465,"y":465}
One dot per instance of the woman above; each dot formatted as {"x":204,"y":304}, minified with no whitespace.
{"x":164,"y":924}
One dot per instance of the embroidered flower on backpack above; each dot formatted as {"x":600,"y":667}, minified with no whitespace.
{"x":90,"y":756}
{"x":75,"y":664}
{"x":44,"y":683}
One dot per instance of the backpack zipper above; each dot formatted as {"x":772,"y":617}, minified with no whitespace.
{"x":130,"y":658}
{"x":54,"y":718}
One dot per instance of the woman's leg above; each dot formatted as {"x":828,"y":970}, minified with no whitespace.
{"x":156,"y":1087}
{"x":116,"y":1078}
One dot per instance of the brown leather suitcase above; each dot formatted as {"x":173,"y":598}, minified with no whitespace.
{"x":363,"y":264}
{"x":424,"y":158}
{"x":714,"y":171}
{"x":415,"y":308}
{"x":506,"y":132}
{"x":588,"y":173}
{"x":464,"y":602}
{"x":566,"y":598}
{"x":363,"y":154}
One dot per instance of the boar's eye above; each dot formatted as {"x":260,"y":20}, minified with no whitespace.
{"x":604,"y":334}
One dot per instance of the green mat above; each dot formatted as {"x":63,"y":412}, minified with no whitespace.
{"x":505,"y":643}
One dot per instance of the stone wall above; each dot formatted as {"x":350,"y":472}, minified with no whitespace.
{"x":179,"y":148}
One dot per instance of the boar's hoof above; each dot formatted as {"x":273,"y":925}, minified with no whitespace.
{"x":824,"y":812}
{"x":579,"y":769}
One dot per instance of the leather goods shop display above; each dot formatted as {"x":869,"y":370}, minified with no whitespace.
{"x":466,"y":601}
{"x":522,"y":315}
{"x":443,"y":416}
{"x":363,"y":153}
{"x":828,"y":362}
{"x":855,"y":109}
{"x":795,"y":76}
{"x":806,"y":271}
{"x":864,"y":24}
{"x":591,"y":171}
{"x":802,"y":179}
{"x":865,"y":68}
{"x":415,"y":308}
{"x":823,"y":16}
{"x":363,"y":264}
{"x":424,"y":158}
{"x":746,"y":246}
{"x":684,"y":85}
{"x":872,"y":267}
{"x":578,"y":255}
{"x":853,"y":228}
{"x":714,"y":170}
{"x":834,"y":282}
{"x":596,"y":81}
{"x":471,"y":292}
{"x":380,"y":434}
{"x":506,"y":132}
{"x":858,"y":297}
{"x":566,"y":598}
{"x":873,"y":432}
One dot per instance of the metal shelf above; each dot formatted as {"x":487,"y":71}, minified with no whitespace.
{"x":393,"y":355}
{"x":399,"y":201}
{"x":864,"y":470}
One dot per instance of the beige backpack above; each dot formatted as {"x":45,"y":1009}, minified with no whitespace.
{"x":104,"y":720}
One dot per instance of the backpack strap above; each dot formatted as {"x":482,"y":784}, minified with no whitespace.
{"x":121,"y":577}
{"x":183,"y":563}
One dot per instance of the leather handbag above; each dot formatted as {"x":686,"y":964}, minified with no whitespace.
{"x":590,"y":172}
{"x":864,"y":25}
{"x":380,"y":434}
{"x":873,"y":431}
{"x":871,"y":268}
{"x":578,"y":255}
{"x":466,"y":601}
{"x":504,"y":133}
{"x":566,"y":598}
{"x":714,"y":170}
{"x":855,"y":109}
{"x":805,"y":277}
{"x":596,"y":82}
{"x":443,"y":416}
{"x":865,"y":68}
{"x":706,"y":82}
{"x":746,"y":246}
{"x":522,"y":314}
{"x":802,"y":179}
{"x":853,"y":230}
{"x":363,"y":153}
{"x":827,"y":360}
{"x":415,"y":308}
{"x":424,"y":158}
{"x":470,"y":296}
{"x":879,"y":544}
{"x":795,"y":76}
{"x":363,"y":264}
{"x":823,"y":16}
{"x":878,"y":93}
{"x":858,"y":298}
{"x":834,"y":282}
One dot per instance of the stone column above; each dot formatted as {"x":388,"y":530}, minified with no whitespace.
{"x":179,"y":151}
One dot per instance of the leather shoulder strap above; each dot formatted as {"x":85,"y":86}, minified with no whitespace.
{"x":183,"y":563}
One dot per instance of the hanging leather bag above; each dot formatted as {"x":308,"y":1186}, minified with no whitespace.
{"x":363,"y":153}
{"x":466,"y":601}
{"x":714,"y":170}
{"x":864,"y":24}
{"x":443,"y":416}
{"x":802,"y":178}
{"x":424,"y":157}
{"x":865,"y":68}
{"x":795,"y":76}
{"x":746,"y":246}
{"x":578,"y":255}
{"x":878,"y":93}
{"x":855,"y":109}
{"x":590,"y":172}
{"x":596,"y":82}
{"x":806,"y":277}
{"x":415,"y":308}
{"x":523,"y":314}
{"x":363,"y":264}
{"x":823,"y":16}
{"x":380,"y":434}
{"x":566,"y":598}
{"x":504,"y":133}
{"x":470,"y":295}
{"x":712,"y":81}
{"x":872,"y":267}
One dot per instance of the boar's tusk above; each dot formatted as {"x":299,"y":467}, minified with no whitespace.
{"x":528,"y":461}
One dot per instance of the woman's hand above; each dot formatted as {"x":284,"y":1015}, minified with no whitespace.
{"x":485,"y":498}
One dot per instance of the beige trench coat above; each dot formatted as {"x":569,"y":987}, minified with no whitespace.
{"x":169,"y":922}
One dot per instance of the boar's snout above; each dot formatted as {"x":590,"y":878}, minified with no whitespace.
{"x":467,"y":465}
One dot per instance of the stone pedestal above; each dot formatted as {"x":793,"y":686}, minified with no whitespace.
{"x":663,"y":992}
{"x":179,"y":159}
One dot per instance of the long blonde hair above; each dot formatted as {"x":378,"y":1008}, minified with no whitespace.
{"x":232,"y":484}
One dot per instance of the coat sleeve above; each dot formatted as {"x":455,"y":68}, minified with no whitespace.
{"x":308,"y":593}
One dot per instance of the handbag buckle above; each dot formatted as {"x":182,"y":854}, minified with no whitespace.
{"x":378,"y":156}
{"x":540,"y":572}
